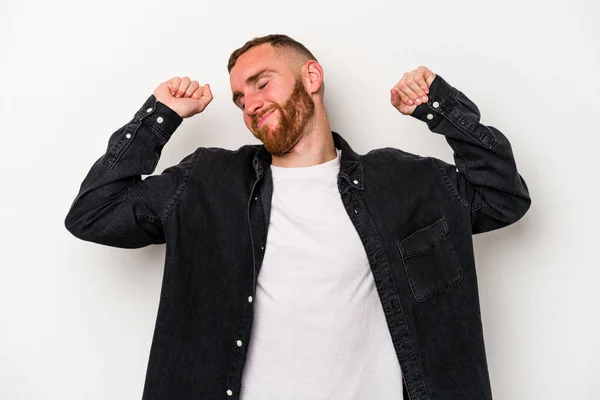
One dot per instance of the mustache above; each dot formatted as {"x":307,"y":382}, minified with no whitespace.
{"x":258,"y":117}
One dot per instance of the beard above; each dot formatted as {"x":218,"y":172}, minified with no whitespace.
{"x":293,"y":117}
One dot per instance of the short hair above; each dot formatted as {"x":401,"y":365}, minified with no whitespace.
{"x":277,"y":41}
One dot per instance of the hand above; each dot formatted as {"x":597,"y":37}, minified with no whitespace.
{"x":185,"y":97}
{"x":412,"y":90}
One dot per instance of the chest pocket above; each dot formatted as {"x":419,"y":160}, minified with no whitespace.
{"x":430,"y":260}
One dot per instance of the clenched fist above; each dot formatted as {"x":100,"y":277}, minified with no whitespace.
{"x":185,"y":97}
{"x":412,"y":90}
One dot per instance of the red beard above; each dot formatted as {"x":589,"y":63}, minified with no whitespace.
{"x":293,"y":117}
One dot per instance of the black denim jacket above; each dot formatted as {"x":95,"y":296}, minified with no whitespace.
{"x":415,"y":216}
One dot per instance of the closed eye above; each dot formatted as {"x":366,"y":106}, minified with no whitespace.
{"x":261,"y":86}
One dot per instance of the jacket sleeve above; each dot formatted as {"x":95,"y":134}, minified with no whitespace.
{"x":485,"y":179}
{"x":115,"y":206}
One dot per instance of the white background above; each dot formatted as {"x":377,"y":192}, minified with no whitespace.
{"x":76,"y":319}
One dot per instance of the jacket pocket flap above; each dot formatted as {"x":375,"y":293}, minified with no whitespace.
{"x":424,"y":240}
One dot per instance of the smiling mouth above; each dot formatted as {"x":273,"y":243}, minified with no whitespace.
{"x":264,"y":118}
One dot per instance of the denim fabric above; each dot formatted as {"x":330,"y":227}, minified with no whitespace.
{"x":415,"y":216}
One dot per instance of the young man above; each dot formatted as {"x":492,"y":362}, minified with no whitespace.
{"x":299,"y":269}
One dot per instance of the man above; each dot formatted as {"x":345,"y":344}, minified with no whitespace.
{"x":299,"y":269}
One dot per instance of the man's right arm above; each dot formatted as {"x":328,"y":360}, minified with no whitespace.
{"x":115,"y":206}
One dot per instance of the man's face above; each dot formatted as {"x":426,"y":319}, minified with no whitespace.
{"x":275,"y":104}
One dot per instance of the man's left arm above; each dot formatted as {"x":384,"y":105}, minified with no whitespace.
{"x":485,"y":178}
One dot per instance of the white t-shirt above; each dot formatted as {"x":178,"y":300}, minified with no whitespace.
{"x":319,"y":331}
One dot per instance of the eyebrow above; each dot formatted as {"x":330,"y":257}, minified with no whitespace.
{"x":251,"y":79}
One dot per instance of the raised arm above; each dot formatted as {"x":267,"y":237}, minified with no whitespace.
{"x":485,"y":179}
{"x":115,"y":206}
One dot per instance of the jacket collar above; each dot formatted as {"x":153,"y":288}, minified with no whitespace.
{"x":350,"y":166}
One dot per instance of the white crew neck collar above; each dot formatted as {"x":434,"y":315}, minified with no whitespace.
{"x":331,"y":166}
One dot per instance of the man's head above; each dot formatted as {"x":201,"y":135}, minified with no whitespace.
{"x":277,"y":83}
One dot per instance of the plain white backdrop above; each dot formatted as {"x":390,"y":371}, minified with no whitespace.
{"x":76,"y":318}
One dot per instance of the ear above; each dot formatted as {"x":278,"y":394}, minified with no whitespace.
{"x":312,"y":76}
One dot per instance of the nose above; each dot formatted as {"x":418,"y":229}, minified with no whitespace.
{"x":254,"y":104}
